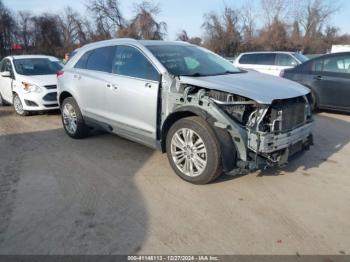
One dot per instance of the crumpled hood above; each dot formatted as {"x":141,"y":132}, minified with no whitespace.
{"x":259,"y":87}
{"x":40,"y":80}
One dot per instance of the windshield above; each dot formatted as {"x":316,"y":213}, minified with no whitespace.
{"x":191,"y":61}
{"x":301,"y":57}
{"x":37,"y":66}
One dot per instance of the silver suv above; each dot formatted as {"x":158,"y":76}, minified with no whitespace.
{"x":208,"y":116}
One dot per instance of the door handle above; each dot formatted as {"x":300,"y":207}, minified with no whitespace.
{"x":318,"y":77}
{"x":112,"y":87}
{"x":148,"y":85}
{"x":77,"y":76}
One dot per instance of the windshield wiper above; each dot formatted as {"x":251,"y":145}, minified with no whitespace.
{"x":231,"y":72}
{"x":195,"y":74}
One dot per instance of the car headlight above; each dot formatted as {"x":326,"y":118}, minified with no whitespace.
{"x":31,"y":87}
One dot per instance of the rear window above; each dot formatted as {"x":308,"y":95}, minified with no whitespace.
{"x":37,"y":66}
{"x":258,"y":59}
{"x":81,"y":64}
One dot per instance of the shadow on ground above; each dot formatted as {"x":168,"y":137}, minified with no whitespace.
{"x":6,"y":111}
{"x":64,"y":196}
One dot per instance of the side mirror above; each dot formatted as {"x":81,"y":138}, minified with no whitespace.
{"x":5,"y":74}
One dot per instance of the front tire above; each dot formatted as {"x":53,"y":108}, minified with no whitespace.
{"x":18,"y":106}
{"x":194,"y":151}
{"x":314,"y":105}
{"x":72,"y":119}
{"x":2,"y":101}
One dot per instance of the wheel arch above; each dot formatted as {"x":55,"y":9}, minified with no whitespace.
{"x":315,"y":95}
{"x":63,"y":96}
{"x":227,"y":146}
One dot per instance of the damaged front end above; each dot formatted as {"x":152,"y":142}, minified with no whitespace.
{"x":262,"y":135}
{"x":277,"y":131}
{"x":274,"y":132}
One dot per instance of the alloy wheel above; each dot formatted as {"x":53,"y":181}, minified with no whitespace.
{"x":189,"y":152}
{"x":17,"y":104}
{"x":70,"y":118}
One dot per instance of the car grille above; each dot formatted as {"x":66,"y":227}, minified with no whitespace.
{"x":292,"y":112}
{"x":51,"y":87}
{"x":50,"y":97}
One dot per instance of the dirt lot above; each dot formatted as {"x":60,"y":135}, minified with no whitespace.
{"x":106,"y":195}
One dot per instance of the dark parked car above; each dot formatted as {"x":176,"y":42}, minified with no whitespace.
{"x":328,"y":77}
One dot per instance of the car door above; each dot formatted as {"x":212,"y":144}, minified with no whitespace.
{"x":90,"y":80}
{"x":333,"y":82}
{"x":6,"y":82}
{"x":132,"y":96}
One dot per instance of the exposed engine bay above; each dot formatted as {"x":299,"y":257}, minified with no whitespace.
{"x":274,"y":132}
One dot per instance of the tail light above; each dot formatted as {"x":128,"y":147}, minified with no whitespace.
{"x":281,"y":73}
{"x":60,"y":73}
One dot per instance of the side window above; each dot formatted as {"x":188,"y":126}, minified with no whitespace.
{"x":339,"y":64}
{"x":81,"y":64}
{"x":316,"y":65}
{"x":266,"y":59}
{"x":247,"y":59}
{"x":6,"y":66}
{"x":304,"y":68}
{"x":131,"y":62}
{"x":101,"y":59}
{"x":285,"y":60}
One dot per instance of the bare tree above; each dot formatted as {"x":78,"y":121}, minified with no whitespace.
{"x":47,"y":37}
{"x":108,"y":17}
{"x":196,"y":40}
{"x":274,"y":9}
{"x":222,"y":31}
{"x":144,"y":24}
{"x":72,"y":28}
{"x":315,"y":14}
{"x":248,"y":21}
{"x":183,"y":36}
{"x":295,"y":40}
{"x":7,"y":29}
{"x":288,"y":25}
{"x":274,"y":37}
{"x":25,"y":29}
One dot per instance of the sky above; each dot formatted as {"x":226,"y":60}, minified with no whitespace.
{"x":178,"y":14}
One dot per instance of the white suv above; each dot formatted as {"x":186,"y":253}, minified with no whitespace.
{"x":272,"y":63}
{"x":209,"y":116}
{"x":29,"y":82}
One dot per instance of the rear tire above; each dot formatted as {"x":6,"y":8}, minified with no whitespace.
{"x":18,"y":106}
{"x":194,"y":151}
{"x":72,"y":119}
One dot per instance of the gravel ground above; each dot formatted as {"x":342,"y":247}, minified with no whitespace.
{"x":107,"y":195}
